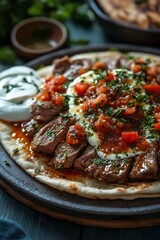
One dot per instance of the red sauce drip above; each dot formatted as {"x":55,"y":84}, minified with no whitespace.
{"x":71,"y":174}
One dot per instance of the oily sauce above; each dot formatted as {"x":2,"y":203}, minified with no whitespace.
{"x":71,"y":174}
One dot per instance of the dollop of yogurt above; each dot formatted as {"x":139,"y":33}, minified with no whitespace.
{"x":18,"y":87}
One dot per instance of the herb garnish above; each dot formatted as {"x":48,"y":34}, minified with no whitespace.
{"x":7,"y":163}
{"x":50,"y":134}
{"x":15,"y":151}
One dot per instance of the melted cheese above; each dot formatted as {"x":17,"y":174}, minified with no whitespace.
{"x":76,"y":111}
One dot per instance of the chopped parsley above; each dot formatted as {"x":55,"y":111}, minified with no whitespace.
{"x":50,"y":134}
{"x":15,"y":151}
{"x":7,"y":163}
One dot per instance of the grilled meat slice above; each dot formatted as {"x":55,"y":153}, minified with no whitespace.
{"x":123,"y":62}
{"x":111,"y":172}
{"x":86,"y":159}
{"x":31,"y":128}
{"x":50,"y":135}
{"x":146,"y":166}
{"x":116,"y":61}
{"x":44,"y":111}
{"x":61,"y":65}
{"x":70,"y":68}
{"x":116,"y":171}
{"x":65,"y":154}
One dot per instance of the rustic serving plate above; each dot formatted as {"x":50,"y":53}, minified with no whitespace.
{"x":95,"y":212}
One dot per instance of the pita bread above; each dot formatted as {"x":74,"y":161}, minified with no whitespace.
{"x":38,"y":168}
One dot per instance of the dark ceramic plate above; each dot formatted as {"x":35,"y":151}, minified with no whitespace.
{"x":106,"y":213}
{"x":125,"y":32}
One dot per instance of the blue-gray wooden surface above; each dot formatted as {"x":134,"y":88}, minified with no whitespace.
{"x":41,"y":227}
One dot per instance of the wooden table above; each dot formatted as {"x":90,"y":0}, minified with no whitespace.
{"x":39,"y":226}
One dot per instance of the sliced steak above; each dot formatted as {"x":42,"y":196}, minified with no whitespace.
{"x":44,"y":111}
{"x":76,"y":65}
{"x":50,"y":135}
{"x":86,"y":159}
{"x":94,"y":171}
{"x":65,"y":154}
{"x":70,"y":68}
{"x":111,"y":172}
{"x":123,"y":62}
{"x":116,"y":61}
{"x":61,"y":65}
{"x":146,"y":166}
{"x":31,"y":128}
{"x":116,"y":171}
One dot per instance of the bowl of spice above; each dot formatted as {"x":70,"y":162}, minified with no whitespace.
{"x":37,"y":36}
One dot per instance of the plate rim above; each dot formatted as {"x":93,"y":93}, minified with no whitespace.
{"x":126,"y":211}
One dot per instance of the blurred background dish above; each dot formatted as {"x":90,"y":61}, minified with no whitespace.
{"x":124,"y":32}
{"x":36,"y":36}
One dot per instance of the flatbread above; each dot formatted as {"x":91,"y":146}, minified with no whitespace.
{"x":85,"y":186}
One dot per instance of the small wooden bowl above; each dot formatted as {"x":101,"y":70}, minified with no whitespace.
{"x":37,"y":36}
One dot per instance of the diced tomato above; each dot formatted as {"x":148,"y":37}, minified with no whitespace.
{"x":136,"y":68}
{"x":55,"y":83}
{"x":157,"y":126}
{"x":152,"y":71}
{"x":57,"y":99}
{"x":130,"y":137}
{"x":123,"y":100}
{"x":102,"y":89}
{"x":43,"y":96}
{"x":70,"y":139}
{"x":152,"y":88}
{"x":48,"y":79}
{"x":75,"y":134}
{"x":101,"y":82}
{"x":100,"y":101}
{"x":142,"y":144}
{"x":102,"y":124}
{"x":85,"y":106}
{"x":99,"y":65}
{"x":61,"y":89}
{"x":129,"y":111}
{"x":80,"y":130}
{"x":82,"y":71}
{"x":81,"y":88}
{"x":59,"y":80}
{"x":91,"y":90}
{"x":50,"y":85}
{"x":139,"y":60}
{"x":110,"y":76}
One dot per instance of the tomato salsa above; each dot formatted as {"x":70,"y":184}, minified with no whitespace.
{"x":121,"y":106}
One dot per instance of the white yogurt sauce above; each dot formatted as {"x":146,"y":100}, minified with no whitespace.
{"x":18,"y":86}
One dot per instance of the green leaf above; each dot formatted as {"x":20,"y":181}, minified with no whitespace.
{"x":7,"y":55}
{"x":36,"y":9}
